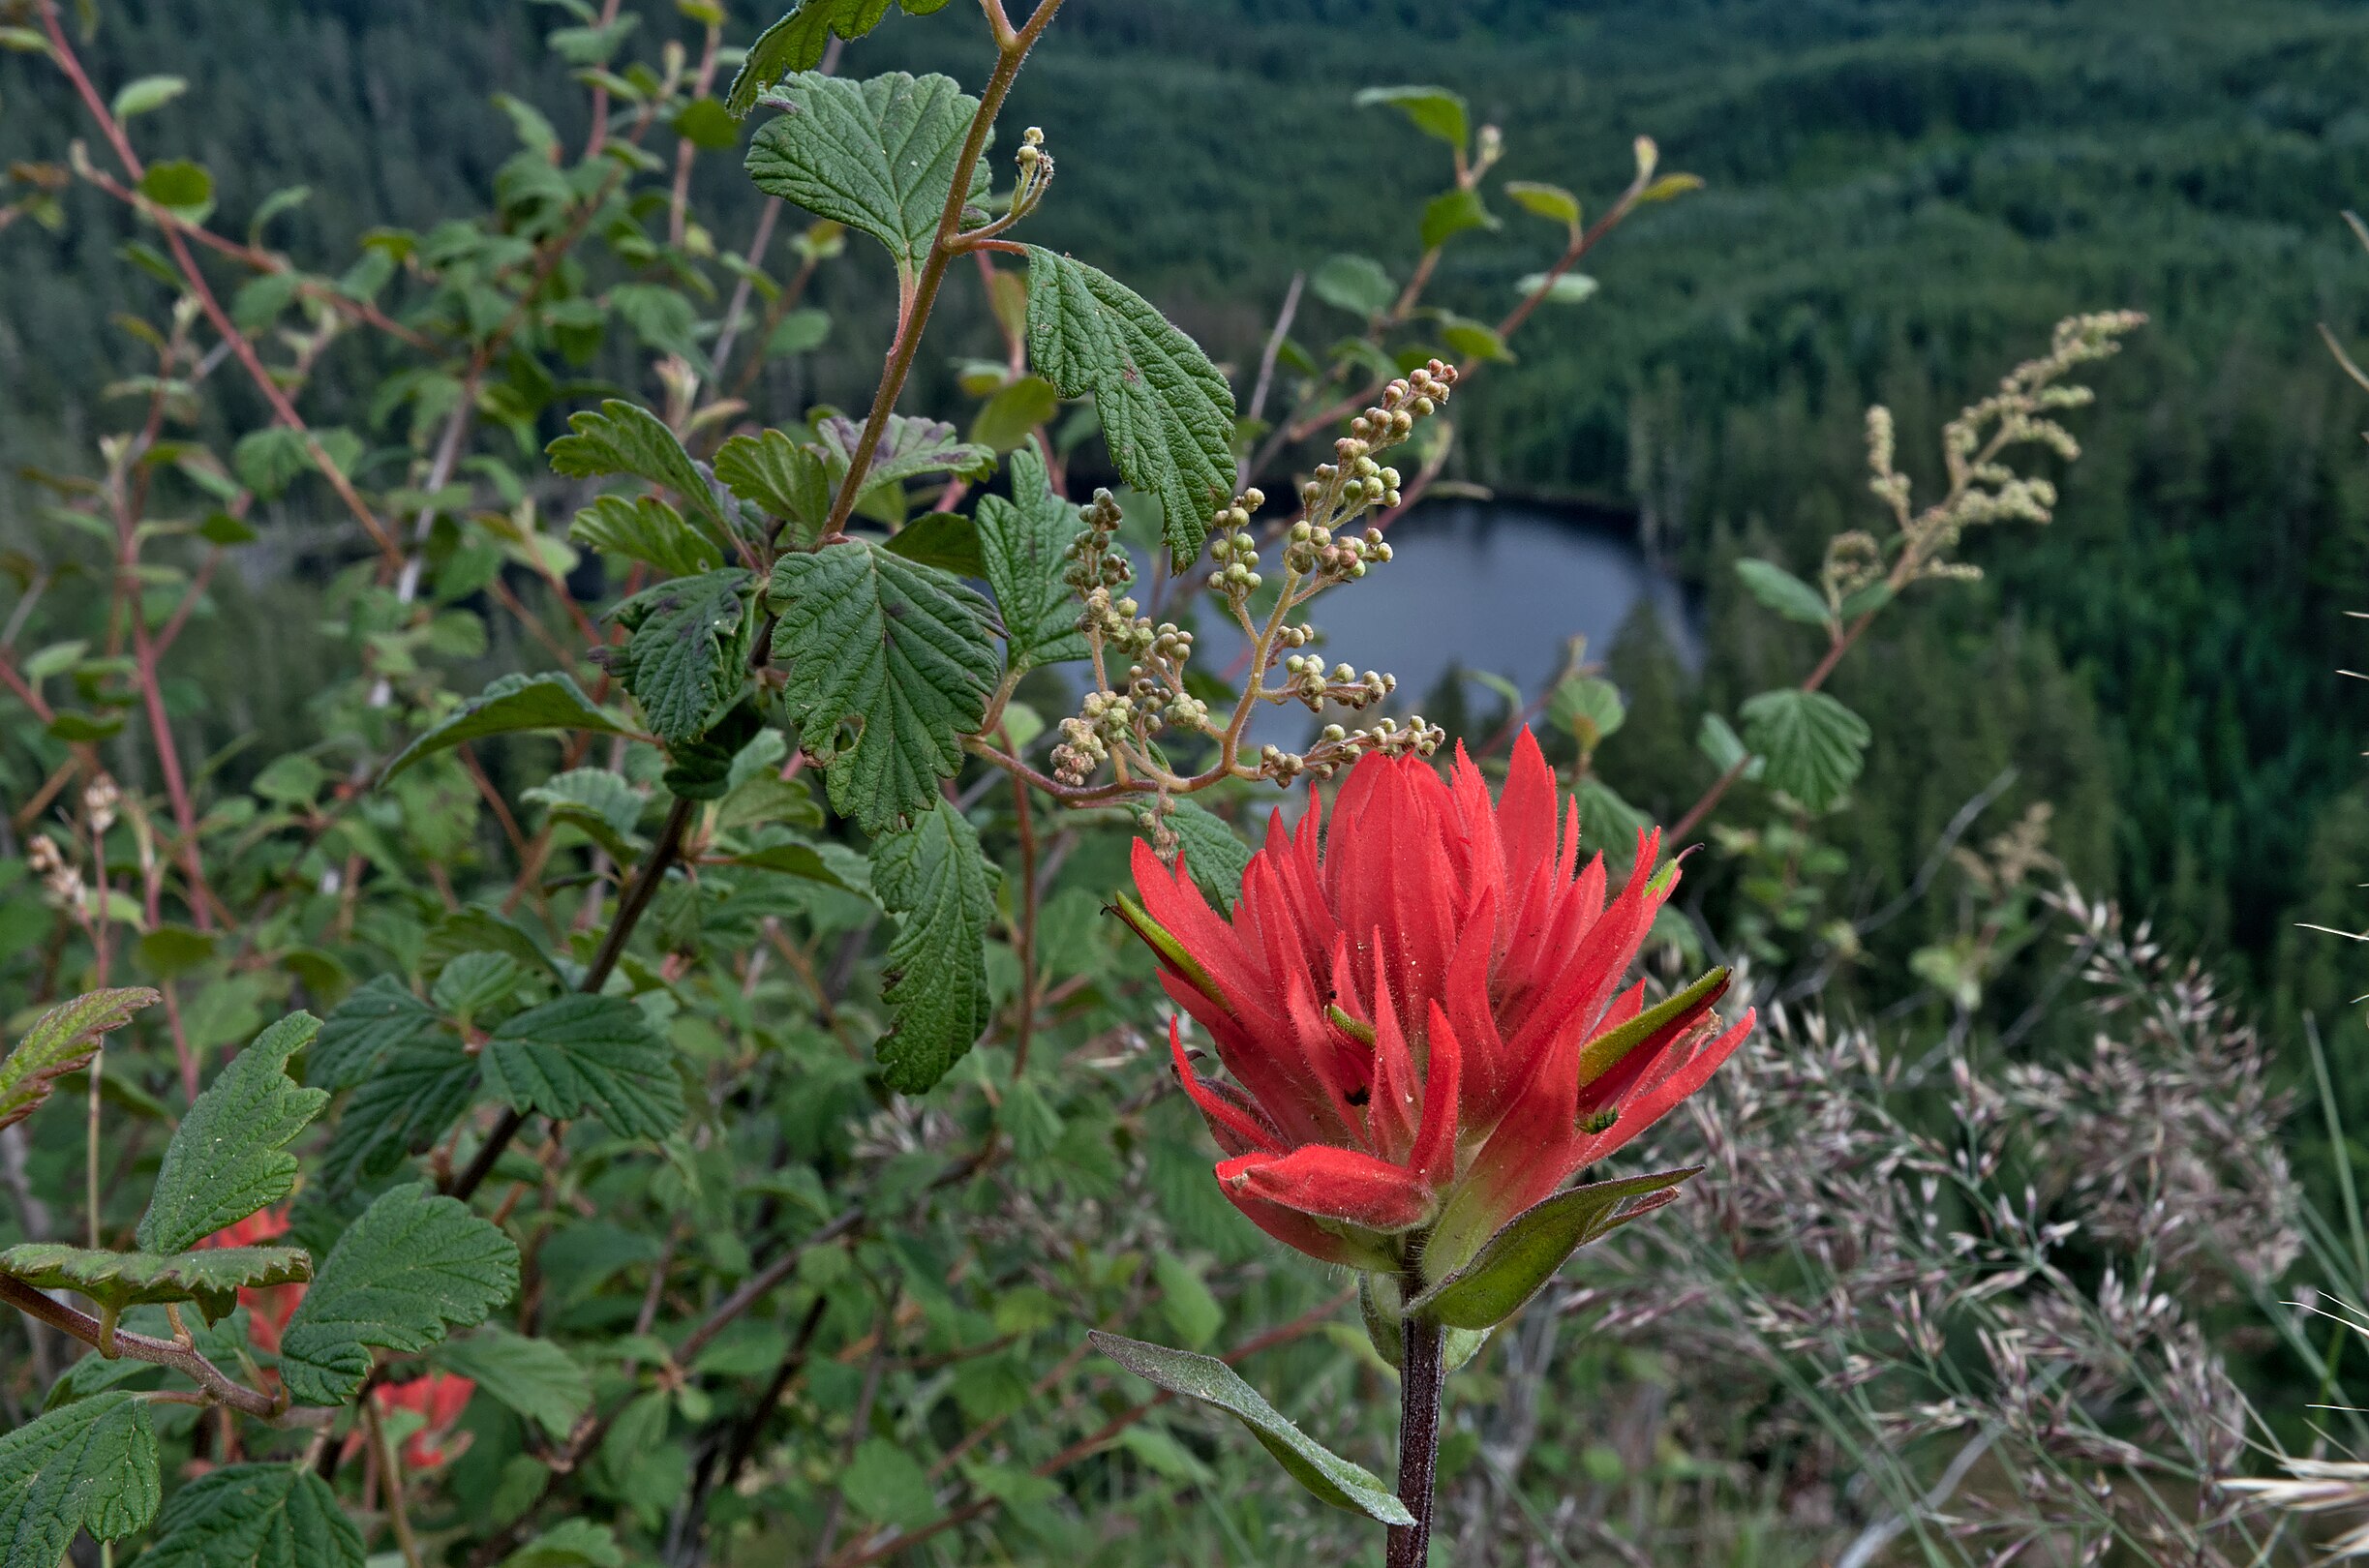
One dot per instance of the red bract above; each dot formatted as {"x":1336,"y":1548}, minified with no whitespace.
{"x":271,"y":1306}
{"x":1421,"y":1009}
{"x":438,"y":1397}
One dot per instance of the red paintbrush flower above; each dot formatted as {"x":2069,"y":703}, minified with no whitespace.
{"x":1422,"y":1006}
{"x":439,"y":1398}
{"x":268,"y":1307}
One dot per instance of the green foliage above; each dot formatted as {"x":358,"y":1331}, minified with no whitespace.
{"x":878,"y":156}
{"x":1815,"y":745}
{"x":895,"y":649}
{"x":507,"y":705}
{"x":1165,"y":412}
{"x":228,"y":1156}
{"x":646,"y":530}
{"x":256,"y":1516}
{"x":1434,"y":110}
{"x":626,"y":439}
{"x":933,"y":877}
{"x":1784,"y":592}
{"x":1025,"y":542}
{"x":91,"y":1466}
{"x":412,"y":1265}
{"x":378,"y":1017}
{"x":212,"y":1277}
{"x":1512,"y":1266}
{"x":62,"y":1041}
{"x":534,"y":1378}
{"x":684,"y":661}
{"x":797,"y":41}
{"x":588,"y":1055}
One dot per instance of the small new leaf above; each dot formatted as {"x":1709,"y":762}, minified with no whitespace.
{"x":1549,"y":201}
{"x":229,"y":1156}
{"x":60,"y":1042}
{"x":1166,"y":414}
{"x":646,"y":530}
{"x":411,"y":1265}
{"x":1355,"y":284}
{"x":897,"y":649}
{"x":1324,"y":1472}
{"x":1813,"y":744}
{"x":782,"y":478}
{"x":878,"y":156}
{"x":254,"y":1516}
{"x":1779,"y":589}
{"x":1524,"y":1253}
{"x":89,"y":1465}
{"x":551,"y":701}
{"x":797,"y":41}
{"x":908,"y":449}
{"x":1450,"y":213}
{"x":1026,"y":542}
{"x":581,"y":1055}
{"x":939,"y":884}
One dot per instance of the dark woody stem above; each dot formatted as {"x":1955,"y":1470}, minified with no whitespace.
{"x":1424,"y":1377}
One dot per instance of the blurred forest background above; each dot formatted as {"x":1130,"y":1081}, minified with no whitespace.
{"x":1901,"y":197}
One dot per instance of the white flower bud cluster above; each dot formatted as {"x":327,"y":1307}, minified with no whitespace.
{"x":1234,"y":550}
{"x":99,"y":800}
{"x":1307,"y":681}
{"x":1337,"y":747}
{"x":1036,"y":167}
{"x":1310,"y":551}
{"x":61,"y":880}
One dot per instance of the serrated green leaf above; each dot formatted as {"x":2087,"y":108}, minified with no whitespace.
{"x":810,"y":861}
{"x":60,"y":1042}
{"x":1452,"y":212}
{"x":411,"y":1265}
{"x":946,"y":540}
{"x":884,"y":1483}
{"x":89,"y":1465}
{"x":254,"y":1516}
{"x":1779,"y":589}
{"x":1814,"y":746}
{"x":572,"y":1542}
{"x":625,"y":437}
{"x":211,"y":1277}
{"x":1327,"y":1474}
{"x":581,"y":1055}
{"x":551,"y":701}
{"x":1025,"y":542}
{"x":936,"y":878}
{"x":908,"y":449}
{"x":1005,"y":421}
{"x":533,"y":1378}
{"x":646,"y":530}
{"x":1434,"y":111}
{"x":1549,"y":201}
{"x":1524,"y":1254}
{"x":474,"y":983}
{"x":413,"y":1093}
{"x":797,"y":41}
{"x":378,"y":1017}
{"x":1589,"y":707}
{"x":229,"y":1156}
{"x":899,"y":648}
{"x":879,"y":156}
{"x":1355,"y":284}
{"x":688,"y":658}
{"x":1166,"y":414}
{"x":597,"y":800}
{"x":782,"y":478}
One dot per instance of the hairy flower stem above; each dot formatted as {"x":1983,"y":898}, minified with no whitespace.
{"x":1423,"y":1378}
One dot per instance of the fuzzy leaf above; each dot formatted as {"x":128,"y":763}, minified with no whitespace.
{"x":413,"y":1093}
{"x":118,"y":1279}
{"x":878,"y":156}
{"x":625,"y":437}
{"x":1784,"y":592}
{"x":782,"y":476}
{"x":597,"y":800}
{"x":89,"y":1465}
{"x":645,"y":528}
{"x":60,"y":1042}
{"x":254,"y":1516}
{"x":1526,"y":1252}
{"x":1166,"y":414}
{"x":550,"y":701}
{"x":588,"y":1054}
{"x":229,"y":1155}
{"x":939,"y":884}
{"x":799,"y":40}
{"x":534,"y":1378}
{"x":901,"y":651}
{"x":1324,"y":1472}
{"x":686,"y":661}
{"x":910,"y":448}
{"x":376,"y":1018}
{"x":1815,"y":745}
{"x":412,"y":1264}
{"x":1026,"y":542}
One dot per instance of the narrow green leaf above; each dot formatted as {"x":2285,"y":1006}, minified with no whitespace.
{"x":1779,"y":589}
{"x":645,"y":528}
{"x":1324,"y":1472}
{"x":1815,"y":745}
{"x":412,"y":1264}
{"x":1718,"y":740}
{"x":212,"y":1277}
{"x":797,"y":41}
{"x":551,"y":701}
{"x":534,"y":1378}
{"x":1185,"y":1300}
{"x":89,"y":1465}
{"x":1434,"y":111}
{"x":878,"y":156}
{"x":229,"y":1156}
{"x":936,"y":880}
{"x":583,"y":1055}
{"x":60,"y":1042}
{"x":1026,"y":545}
{"x":1166,"y":414}
{"x":898,"y":650}
{"x":254,"y":1516}
{"x":1524,"y":1254}
{"x":1561,"y":289}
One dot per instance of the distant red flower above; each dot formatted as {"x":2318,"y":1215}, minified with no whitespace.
{"x":269,"y":1307}
{"x":438,"y":1397}
{"x":1416,"y":1004}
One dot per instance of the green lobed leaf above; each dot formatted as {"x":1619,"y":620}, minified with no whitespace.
{"x":1524,"y":1253}
{"x":1589,"y":708}
{"x":376,"y":1018}
{"x":687,"y":657}
{"x":254,"y":1516}
{"x":783,"y":478}
{"x":414,"y":1092}
{"x":60,"y":1042}
{"x":533,"y":1378}
{"x":1026,"y":545}
{"x":899,"y":648}
{"x":1779,"y":589}
{"x":1166,"y":414}
{"x":1324,"y":1472}
{"x":908,"y":449}
{"x":625,"y":437}
{"x":1434,"y":111}
{"x":946,"y":540}
{"x":229,"y":1156}
{"x":581,"y":1055}
{"x":597,"y":800}
{"x":212,"y":1277}
{"x":810,"y":861}
{"x":645,"y":528}
{"x":797,"y":41}
{"x":412,"y":1264}
{"x":936,"y":880}
{"x":878,"y":156}
{"x":1355,"y":284}
{"x":89,"y":1465}
{"x":1815,"y":745}
{"x":550,"y":701}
